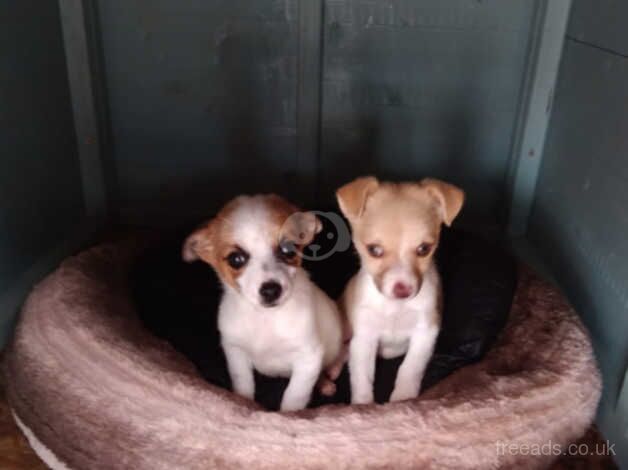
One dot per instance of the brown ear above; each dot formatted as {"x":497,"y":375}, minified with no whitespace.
{"x":352,"y":196}
{"x":299,"y":227}
{"x":450,"y":198}
{"x":302,"y":227}
{"x":199,"y":244}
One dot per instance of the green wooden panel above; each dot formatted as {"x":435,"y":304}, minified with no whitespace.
{"x":423,"y":88}
{"x":40,"y":187}
{"x":202,"y":97}
{"x":208,"y":98}
{"x":602,"y":23}
{"x":579,"y":220}
{"x":535,"y":110}
{"x":88,"y":103}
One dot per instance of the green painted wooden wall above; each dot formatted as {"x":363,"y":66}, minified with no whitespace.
{"x":415,"y":88}
{"x":209,"y":99}
{"x":40,"y":190}
{"x":202,"y":98}
{"x":579,"y":221}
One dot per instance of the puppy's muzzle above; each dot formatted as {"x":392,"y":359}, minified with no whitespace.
{"x":405,"y":290}
{"x":270,"y":291}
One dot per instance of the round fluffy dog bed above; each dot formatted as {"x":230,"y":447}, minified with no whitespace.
{"x":93,"y":389}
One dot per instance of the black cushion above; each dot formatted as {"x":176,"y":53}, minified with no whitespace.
{"x":178,"y":302}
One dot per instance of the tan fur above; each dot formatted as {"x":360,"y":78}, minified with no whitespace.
{"x":212,"y":243}
{"x":450,"y":198}
{"x":422,"y":206}
{"x":291,"y":224}
{"x":352,"y":196}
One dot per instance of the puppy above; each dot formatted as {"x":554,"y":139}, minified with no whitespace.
{"x":271,"y":316}
{"x":393,"y":303}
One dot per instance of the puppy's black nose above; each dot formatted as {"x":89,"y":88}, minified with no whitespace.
{"x":270,"y":291}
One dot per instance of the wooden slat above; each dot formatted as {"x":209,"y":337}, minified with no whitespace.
{"x":545,"y":52}
{"x":309,"y":92}
{"x":86,"y":117}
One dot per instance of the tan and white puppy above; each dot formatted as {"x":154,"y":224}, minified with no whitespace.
{"x":393,"y":303}
{"x":272,"y":318}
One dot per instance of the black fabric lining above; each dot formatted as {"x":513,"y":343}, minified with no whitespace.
{"x":178,"y":302}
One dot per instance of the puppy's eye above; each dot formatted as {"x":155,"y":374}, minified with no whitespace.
{"x":375,"y":250}
{"x":237,"y":258}
{"x":287,"y":249}
{"x":423,"y":249}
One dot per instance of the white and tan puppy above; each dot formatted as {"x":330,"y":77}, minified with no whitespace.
{"x":393,"y":303}
{"x":272,"y":318}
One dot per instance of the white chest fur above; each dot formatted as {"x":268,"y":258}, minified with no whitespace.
{"x":275,"y":339}
{"x":391,"y":328}
{"x":393,"y":322}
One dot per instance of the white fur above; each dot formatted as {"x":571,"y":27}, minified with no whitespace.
{"x":248,"y":223}
{"x":390,"y":328}
{"x":296,"y":338}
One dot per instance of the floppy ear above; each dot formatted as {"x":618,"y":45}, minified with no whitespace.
{"x":199,"y":244}
{"x":352,"y":196}
{"x":449,"y":197}
{"x":302,"y":227}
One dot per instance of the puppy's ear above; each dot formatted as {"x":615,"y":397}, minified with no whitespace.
{"x":302,"y":227}
{"x":450,"y":198}
{"x":352,"y":196}
{"x":200,"y":244}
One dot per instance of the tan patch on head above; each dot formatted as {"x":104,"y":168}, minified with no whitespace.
{"x":213,"y":242}
{"x":282,"y":230}
{"x":292,"y":225}
{"x":282,"y":221}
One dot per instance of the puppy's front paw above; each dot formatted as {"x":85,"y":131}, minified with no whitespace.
{"x":244,"y":390}
{"x":404,"y":392}
{"x":292,"y":405}
{"x":362,"y":398}
{"x":326,"y":387}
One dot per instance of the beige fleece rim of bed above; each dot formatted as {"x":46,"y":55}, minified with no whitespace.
{"x":94,"y":390}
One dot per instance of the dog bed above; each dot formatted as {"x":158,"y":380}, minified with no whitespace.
{"x":92,"y":388}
